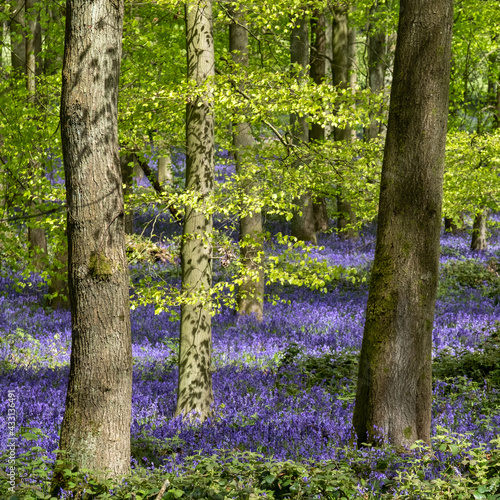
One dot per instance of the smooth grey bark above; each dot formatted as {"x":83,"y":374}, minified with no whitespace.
{"x":250,"y":297}
{"x":164,"y":170}
{"x":394,"y":388}
{"x":341,"y":65}
{"x":95,"y":432}
{"x":376,"y":44}
{"x":195,"y":393}
{"x":303,"y":220}
{"x":479,"y":233}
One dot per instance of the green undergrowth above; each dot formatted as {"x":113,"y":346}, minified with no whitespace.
{"x":457,"y":275}
{"x":481,"y":365}
{"x":465,"y":473}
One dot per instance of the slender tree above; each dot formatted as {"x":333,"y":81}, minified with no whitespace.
{"x":303,"y":220}
{"x":195,"y":393}
{"x":479,"y":239}
{"x":393,"y":397}
{"x":18,"y":36}
{"x":251,"y":291}
{"x":341,"y":78}
{"x":318,"y":75}
{"x":95,"y":432}
{"x":376,"y":46}
{"x":37,"y":238}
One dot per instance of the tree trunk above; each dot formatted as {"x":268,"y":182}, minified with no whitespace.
{"x":95,"y":432}
{"x":251,"y":291}
{"x":479,"y":233}
{"x":18,"y":37}
{"x":450,"y":226}
{"x":195,"y":393}
{"x":37,"y":239}
{"x":341,"y":78}
{"x":376,"y":44}
{"x":164,"y":170}
{"x":318,"y":75}
{"x":303,"y":220}
{"x":51,"y":62}
{"x":394,"y":390}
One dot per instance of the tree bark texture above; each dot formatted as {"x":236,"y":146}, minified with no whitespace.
{"x":393,"y":398}
{"x":165,"y":175}
{"x":303,"y":220}
{"x":341,"y":78}
{"x":195,"y":393}
{"x":95,"y":432}
{"x":479,"y":234}
{"x":251,"y":291}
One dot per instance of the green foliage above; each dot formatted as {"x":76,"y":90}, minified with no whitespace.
{"x":141,"y":249}
{"x":471,"y":273}
{"x":331,"y":370}
{"x":468,"y":473}
{"x":480,"y":365}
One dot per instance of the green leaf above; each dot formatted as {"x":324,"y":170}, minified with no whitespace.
{"x":29,"y":436}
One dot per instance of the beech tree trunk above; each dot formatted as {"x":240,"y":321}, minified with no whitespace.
{"x":37,"y":239}
{"x":251,"y":292}
{"x":341,"y":78}
{"x":18,"y":37}
{"x":303,"y":220}
{"x":164,"y":170}
{"x":195,"y":394}
{"x":376,"y":44}
{"x":318,"y":74}
{"x":479,"y":233}
{"x":394,"y":390}
{"x":450,"y":226}
{"x":95,"y":432}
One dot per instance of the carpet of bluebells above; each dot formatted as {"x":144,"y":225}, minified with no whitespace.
{"x":283,"y":388}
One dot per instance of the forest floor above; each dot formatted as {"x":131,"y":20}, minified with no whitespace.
{"x":284,"y":388}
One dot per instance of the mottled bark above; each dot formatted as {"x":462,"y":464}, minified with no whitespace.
{"x":95,"y":432}
{"x":195,"y":393}
{"x":250,"y":297}
{"x":341,"y":65}
{"x":394,"y":389}
{"x":164,"y":170}
{"x":303,"y":220}
{"x":479,"y":234}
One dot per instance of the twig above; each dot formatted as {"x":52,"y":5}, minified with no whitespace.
{"x":157,"y":186}
{"x":163,"y":489}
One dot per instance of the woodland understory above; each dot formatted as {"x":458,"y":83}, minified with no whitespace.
{"x":284,"y":388}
